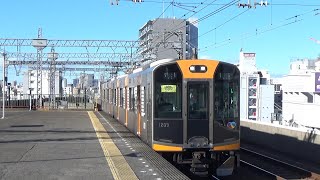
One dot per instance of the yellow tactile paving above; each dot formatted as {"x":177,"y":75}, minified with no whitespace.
{"x":118,"y":165}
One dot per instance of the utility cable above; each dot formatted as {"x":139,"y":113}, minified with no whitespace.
{"x":293,"y":20}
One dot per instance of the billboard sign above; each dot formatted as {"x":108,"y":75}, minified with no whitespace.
{"x":317,"y":82}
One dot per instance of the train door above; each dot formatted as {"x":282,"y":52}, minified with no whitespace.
{"x":198,"y":113}
{"x":139,"y":110}
{"x":148,"y":106}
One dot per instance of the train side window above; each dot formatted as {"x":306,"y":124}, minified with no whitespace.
{"x":107,"y":95}
{"x":227,"y":91}
{"x":130,"y":96}
{"x":133,"y":99}
{"x":111,"y":96}
{"x":115,"y":96}
{"x":121,"y":97}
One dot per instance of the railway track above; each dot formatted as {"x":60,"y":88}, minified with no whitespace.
{"x":259,"y":166}
{"x":277,"y":168}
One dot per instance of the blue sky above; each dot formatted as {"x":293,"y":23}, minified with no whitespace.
{"x":97,"y":19}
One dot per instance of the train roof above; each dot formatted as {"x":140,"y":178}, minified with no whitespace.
{"x":161,"y":62}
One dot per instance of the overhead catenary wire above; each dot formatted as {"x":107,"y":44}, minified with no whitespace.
{"x":184,"y":16}
{"x":206,"y":16}
{"x":209,"y":15}
{"x":292,"y":20}
{"x":197,"y":3}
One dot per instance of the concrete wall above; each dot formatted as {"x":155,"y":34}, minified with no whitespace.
{"x":306,"y":114}
{"x":297,"y":143}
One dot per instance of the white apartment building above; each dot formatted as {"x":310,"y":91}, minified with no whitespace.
{"x":30,"y":81}
{"x":256,"y":92}
{"x":68,"y":90}
{"x":301,"y":94}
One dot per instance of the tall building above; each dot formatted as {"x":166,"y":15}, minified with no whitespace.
{"x":75,"y":82}
{"x":86,"y":80}
{"x":30,"y":82}
{"x":168,"y":38}
{"x":256,"y":92}
{"x":301,"y":94}
{"x":64,"y":83}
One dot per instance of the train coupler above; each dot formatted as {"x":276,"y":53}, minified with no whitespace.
{"x":199,"y":164}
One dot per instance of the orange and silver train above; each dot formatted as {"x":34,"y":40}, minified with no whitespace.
{"x":188,"y":109}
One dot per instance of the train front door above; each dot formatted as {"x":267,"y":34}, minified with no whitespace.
{"x":198,"y":103}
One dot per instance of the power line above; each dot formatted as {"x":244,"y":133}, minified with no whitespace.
{"x":196,"y":3}
{"x":207,"y":16}
{"x":180,"y":18}
{"x":234,"y":17}
{"x":256,"y":33}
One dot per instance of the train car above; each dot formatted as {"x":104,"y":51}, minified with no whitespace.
{"x":187,"y":109}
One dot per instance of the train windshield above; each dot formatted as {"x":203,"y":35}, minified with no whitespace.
{"x":168,"y":93}
{"x":226,"y":101}
{"x":198,"y":100}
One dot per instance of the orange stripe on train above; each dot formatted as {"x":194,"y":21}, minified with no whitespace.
{"x":159,"y":147}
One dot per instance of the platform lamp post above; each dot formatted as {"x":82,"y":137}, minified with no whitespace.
{"x":30,"y":103}
{"x":9,"y":101}
{"x":3,"y":83}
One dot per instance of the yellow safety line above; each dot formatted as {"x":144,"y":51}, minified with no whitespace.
{"x":119,"y":167}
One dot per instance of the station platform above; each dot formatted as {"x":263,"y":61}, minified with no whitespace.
{"x":75,"y":145}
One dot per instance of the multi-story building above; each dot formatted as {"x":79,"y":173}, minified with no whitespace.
{"x":68,"y":90}
{"x":86,"y":80}
{"x":30,"y":82}
{"x":301,"y":94}
{"x":256,"y":92}
{"x":168,"y":38}
{"x":75,"y":82}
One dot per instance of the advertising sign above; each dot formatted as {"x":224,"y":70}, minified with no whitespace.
{"x":317,"y":82}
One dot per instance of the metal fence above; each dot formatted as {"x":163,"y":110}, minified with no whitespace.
{"x":57,"y":102}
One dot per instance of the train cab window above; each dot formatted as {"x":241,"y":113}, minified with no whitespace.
{"x":168,"y":92}
{"x":198,"y":95}
{"x":226,"y":93}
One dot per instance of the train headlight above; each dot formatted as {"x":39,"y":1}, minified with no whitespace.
{"x":198,"y":69}
{"x":203,"y":68}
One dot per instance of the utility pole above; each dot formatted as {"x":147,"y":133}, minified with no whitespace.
{"x":53,"y":56}
{"x":39,"y":44}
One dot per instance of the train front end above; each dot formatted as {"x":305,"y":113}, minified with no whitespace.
{"x":197,"y":114}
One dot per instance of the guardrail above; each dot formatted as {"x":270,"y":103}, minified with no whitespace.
{"x":59,"y":102}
